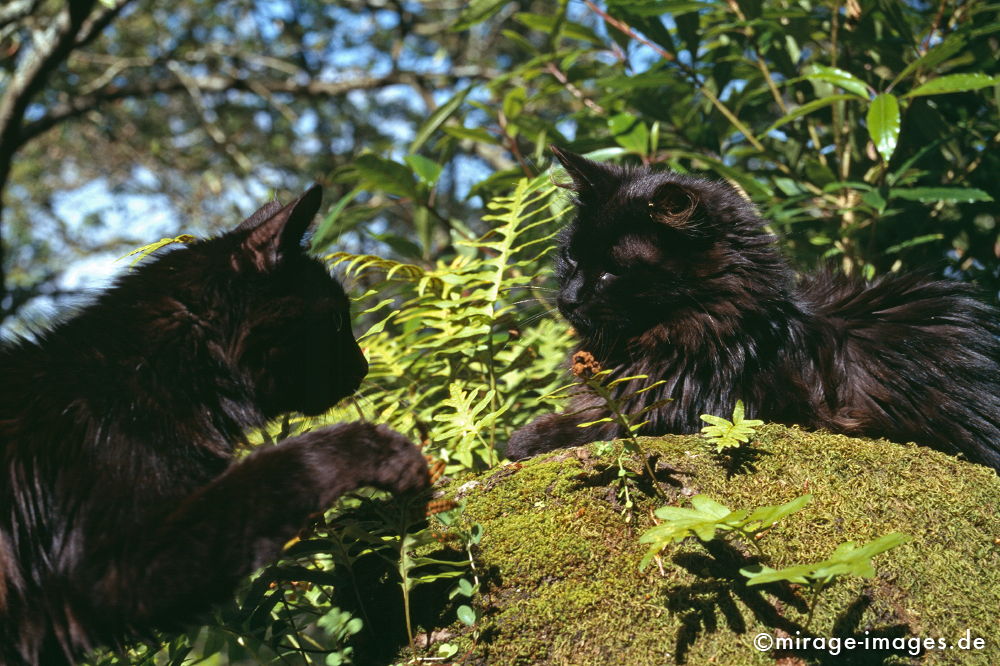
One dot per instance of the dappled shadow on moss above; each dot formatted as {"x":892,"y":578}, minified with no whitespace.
{"x":712,"y":599}
{"x":719,"y":587}
{"x":740,"y":460}
{"x":604,"y":474}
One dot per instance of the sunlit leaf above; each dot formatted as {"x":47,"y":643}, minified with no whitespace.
{"x":953,"y":83}
{"x":438,"y":118}
{"x":839,"y":78}
{"x":961,"y":194}
{"x":883,"y":124}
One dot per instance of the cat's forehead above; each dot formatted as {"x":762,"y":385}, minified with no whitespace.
{"x":632,"y":248}
{"x":642,"y":184}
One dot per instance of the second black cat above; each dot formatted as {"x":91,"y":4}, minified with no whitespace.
{"x":675,"y":278}
{"x":121,"y":508}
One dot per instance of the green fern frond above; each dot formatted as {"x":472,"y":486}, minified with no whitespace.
{"x":726,"y":434}
{"x":147,"y":250}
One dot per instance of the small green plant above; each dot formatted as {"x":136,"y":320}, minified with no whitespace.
{"x":847,"y":560}
{"x":725,"y":434}
{"x":707,"y":518}
{"x":405,"y":546}
{"x":598,"y":380}
{"x":340,"y":626}
{"x":467,"y":613}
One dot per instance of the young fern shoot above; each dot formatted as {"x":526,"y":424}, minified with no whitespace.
{"x":725,"y":434}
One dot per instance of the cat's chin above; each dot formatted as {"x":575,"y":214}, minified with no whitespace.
{"x":322,"y":407}
{"x":606,"y":328}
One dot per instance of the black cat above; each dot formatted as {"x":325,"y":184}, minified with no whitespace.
{"x":673,"y":277}
{"x":121,"y":508}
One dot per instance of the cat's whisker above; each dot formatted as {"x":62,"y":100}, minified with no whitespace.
{"x":528,"y":300}
{"x":528,"y":286}
{"x":536,"y":317}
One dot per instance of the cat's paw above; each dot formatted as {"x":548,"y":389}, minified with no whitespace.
{"x":553,"y":431}
{"x":363,"y":454}
{"x":530,"y":440}
{"x":402,"y":467}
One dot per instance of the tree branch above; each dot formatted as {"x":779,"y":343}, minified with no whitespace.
{"x":17,"y":10}
{"x":76,"y":24}
{"x":77,"y":105}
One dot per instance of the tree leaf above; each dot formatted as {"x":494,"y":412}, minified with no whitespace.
{"x":436,"y":119}
{"x":427,"y":170}
{"x":477,"y":11}
{"x":883,"y":124}
{"x":386,"y":175}
{"x":961,"y":194}
{"x":948,"y":47}
{"x":806,"y":109}
{"x":630,"y":133}
{"x":839,"y":78}
{"x":547,"y":24}
{"x":324,"y":234}
{"x":953,"y":83}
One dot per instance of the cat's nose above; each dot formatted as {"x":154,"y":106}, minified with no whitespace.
{"x":360,"y":367}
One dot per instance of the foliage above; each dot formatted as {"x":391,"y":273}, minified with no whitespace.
{"x":866,"y":133}
{"x":707,"y":517}
{"x":146,"y":250}
{"x":453,"y":363}
{"x":847,"y":560}
{"x":726,"y":434}
{"x":296,"y":611}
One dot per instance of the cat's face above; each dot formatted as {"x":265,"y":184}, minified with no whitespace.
{"x":647,"y":246}
{"x":276,"y":313}
{"x":296,"y":340}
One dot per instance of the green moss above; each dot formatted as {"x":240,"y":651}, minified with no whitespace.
{"x":562,"y":562}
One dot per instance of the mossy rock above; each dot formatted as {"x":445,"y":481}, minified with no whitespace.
{"x":560,"y":562}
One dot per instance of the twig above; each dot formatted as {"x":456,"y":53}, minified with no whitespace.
{"x":573,"y":90}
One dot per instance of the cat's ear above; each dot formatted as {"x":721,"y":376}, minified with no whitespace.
{"x":589,"y":177}
{"x":276,"y":230}
{"x":262,"y":213}
{"x":673,"y":205}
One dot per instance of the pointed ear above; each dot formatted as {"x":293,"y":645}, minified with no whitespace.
{"x":261,"y":214}
{"x":280,"y":232}
{"x":589,"y":177}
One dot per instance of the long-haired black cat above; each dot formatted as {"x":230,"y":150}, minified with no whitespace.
{"x":121,"y":508}
{"x":674,"y":277}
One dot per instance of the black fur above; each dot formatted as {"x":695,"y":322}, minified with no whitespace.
{"x":121,"y":508}
{"x":674,"y":277}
